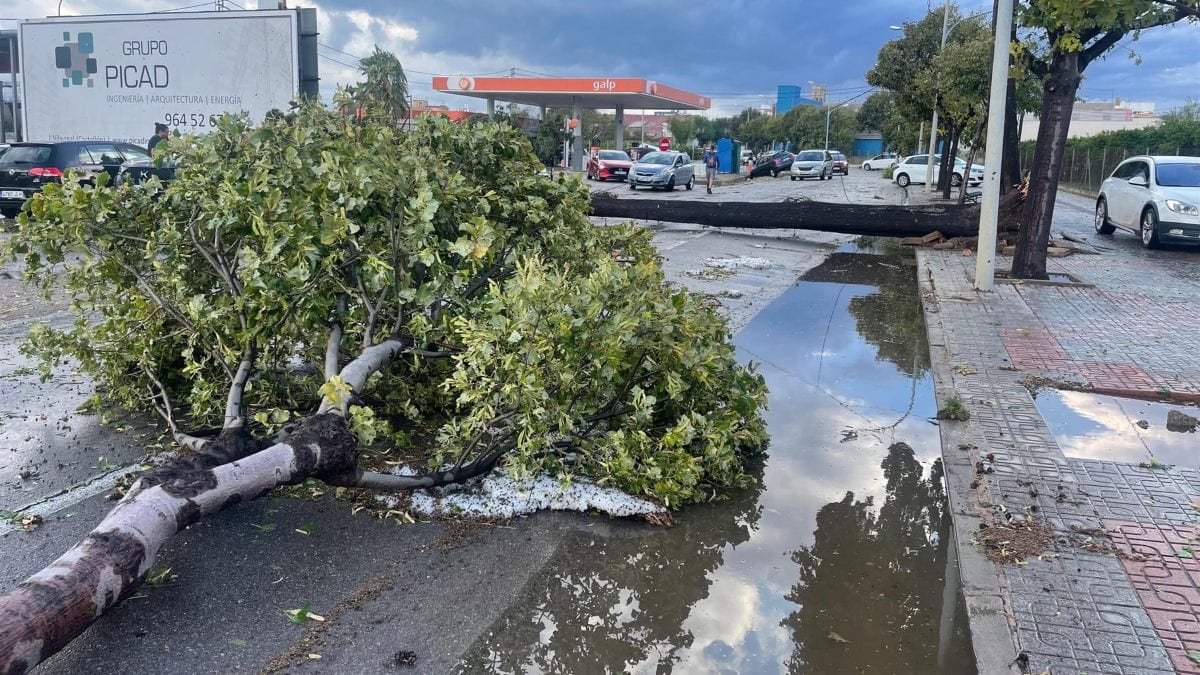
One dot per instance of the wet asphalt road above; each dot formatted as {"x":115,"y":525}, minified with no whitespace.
{"x":392,"y":588}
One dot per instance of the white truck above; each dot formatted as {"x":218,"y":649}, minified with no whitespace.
{"x":113,"y":77}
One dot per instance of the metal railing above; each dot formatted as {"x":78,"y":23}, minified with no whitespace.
{"x":1086,"y":168}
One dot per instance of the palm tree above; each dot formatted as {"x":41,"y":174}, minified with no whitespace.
{"x":386,"y":88}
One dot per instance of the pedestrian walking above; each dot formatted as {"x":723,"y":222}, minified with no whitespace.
{"x":710,"y":165}
{"x":160,"y":135}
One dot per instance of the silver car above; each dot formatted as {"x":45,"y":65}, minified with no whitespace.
{"x":813,"y":164}
{"x":664,"y":170}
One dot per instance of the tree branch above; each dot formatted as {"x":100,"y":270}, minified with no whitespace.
{"x":234,"y":414}
{"x":1099,"y":47}
{"x":355,"y":373}
{"x":334,"y":345}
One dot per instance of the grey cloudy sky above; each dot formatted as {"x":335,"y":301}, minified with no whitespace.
{"x":735,"y":51}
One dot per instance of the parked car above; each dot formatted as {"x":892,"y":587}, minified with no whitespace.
{"x":841,"y":164}
{"x":609,"y":164}
{"x":1155,"y":196}
{"x":883,"y":161}
{"x":664,"y":170}
{"x":26,"y":167}
{"x":638,"y":151}
{"x":912,"y":169}
{"x":138,"y":171}
{"x":772,"y":163}
{"x":812,"y":164}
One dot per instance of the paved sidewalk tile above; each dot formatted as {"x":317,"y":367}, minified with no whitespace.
{"x":1119,"y":592}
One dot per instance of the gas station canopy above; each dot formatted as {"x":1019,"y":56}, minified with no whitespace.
{"x":599,"y":93}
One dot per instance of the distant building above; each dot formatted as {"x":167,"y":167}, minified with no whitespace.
{"x":788,"y":97}
{"x":1089,"y":118}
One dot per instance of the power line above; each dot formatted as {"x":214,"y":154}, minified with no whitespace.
{"x":180,"y":9}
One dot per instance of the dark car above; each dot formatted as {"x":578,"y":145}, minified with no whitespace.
{"x":841,"y":164}
{"x":138,"y":171}
{"x":26,"y":167}
{"x":772,"y":164}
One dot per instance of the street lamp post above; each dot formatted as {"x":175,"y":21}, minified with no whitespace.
{"x":989,"y":210}
{"x":828,"y":112}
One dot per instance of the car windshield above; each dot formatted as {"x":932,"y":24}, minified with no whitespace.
{"x":615,"y":155}
{"x":26,"y":154}
{"x":811,"y":156}
{"x":1181,"y":174}
{"x":656,"y":158}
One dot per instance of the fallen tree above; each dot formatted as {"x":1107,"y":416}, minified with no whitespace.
{"x":883,"y":221}
{"x":952,"y":220}
{"x":318,"y":283}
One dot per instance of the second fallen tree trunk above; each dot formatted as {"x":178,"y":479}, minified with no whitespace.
{"x":951,"y":220}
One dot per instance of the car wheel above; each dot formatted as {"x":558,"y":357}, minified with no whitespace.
{"x":774,"y":173}
{"x":902,"y":180}
{"x":866,"y":167}
{"x":691,"y":182}
{"x":1102,"y":224}
{"x":670,"y":185}
{"x":632,"y":186}
{"x":1150,"y":228}
{"x":793,"y":178}
{"x":955,"y":180}
{"x":10,"y":213}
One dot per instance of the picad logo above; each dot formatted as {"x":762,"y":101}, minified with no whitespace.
{"x":76,"y":61}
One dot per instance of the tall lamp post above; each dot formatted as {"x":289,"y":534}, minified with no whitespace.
{"x":989,"y":211}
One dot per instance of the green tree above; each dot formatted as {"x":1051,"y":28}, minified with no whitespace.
{"x":1061,"y":38}
{"x":432,"y":278}
{"x":385,"y":91}
{"x":683,"y":128}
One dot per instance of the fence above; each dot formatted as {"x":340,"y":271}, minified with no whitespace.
{"x":1086,"y":168}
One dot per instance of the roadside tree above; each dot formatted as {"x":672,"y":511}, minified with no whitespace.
{"x":385,"y":90}
{"x":1061,"y":39}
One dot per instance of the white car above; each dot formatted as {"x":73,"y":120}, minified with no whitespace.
{"x":879,"y":162}
{"x":912,"y":169}
{"x":1155,"y":196}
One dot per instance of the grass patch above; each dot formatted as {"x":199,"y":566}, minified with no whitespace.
{"x":953,"y":409}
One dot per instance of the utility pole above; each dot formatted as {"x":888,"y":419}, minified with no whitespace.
{"x":938,"y":86}
{"x":989,"y":211}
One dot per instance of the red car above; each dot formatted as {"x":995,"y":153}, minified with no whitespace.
{"x":609,"y":164}
{"x":841,"y":164}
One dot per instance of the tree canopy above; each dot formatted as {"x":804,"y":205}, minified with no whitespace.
{"x":429,"y":281}
{"x":385,"y":91}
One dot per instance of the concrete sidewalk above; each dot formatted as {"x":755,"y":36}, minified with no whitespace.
{"x":1116,"y":588}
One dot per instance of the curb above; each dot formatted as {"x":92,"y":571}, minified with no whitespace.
{"x":989,"y":614}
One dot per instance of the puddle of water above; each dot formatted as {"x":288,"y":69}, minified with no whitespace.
{"x":835,"y":561}
{"x":1095,"y":426}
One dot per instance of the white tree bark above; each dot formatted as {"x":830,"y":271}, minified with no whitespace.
{"x":48,"y":610}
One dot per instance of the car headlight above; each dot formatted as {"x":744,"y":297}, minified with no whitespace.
{"x":1183,"y":207}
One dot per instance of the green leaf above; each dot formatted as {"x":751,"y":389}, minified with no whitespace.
{"x":236,"y":642}
{"x":837,"y":638}
{"x":307,"y":528}
{"x":265,"y":527}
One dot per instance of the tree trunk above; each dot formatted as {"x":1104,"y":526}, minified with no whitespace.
{"x":884,"y":221}
{"x":945,"y":165}
{"x":952,"y":146}
{"x":1058,"y":100}
{"x":51,"y":608}
{"x":976,"y":138}
{"x":1010,"y":154}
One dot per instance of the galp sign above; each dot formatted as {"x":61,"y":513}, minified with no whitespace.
{"x":603,"y":85}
